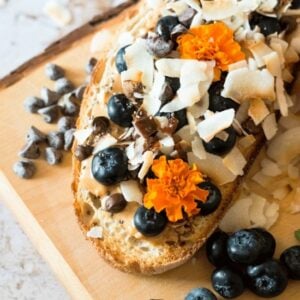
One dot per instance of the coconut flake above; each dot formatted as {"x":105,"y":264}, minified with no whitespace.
{"x":95,"y":232}
{"x":125,"y":38}
{"x":269,"y":168}
{"x":281,"y":97}
{"x":259,"y":51}
{"x":198,"y":148}
{"x":170,"y":67}
{"x":272,"y":63}
{"x":244,"y":84}
{"x":219,"y":9}
{"x":148,"y":160}
{"x":238,"y":65}
{"x":81,"y":135}
{"x":167,"y":144}
{"x":256,"y":211}
{"x":105,"y":142}
{"x":185,"y":134}
{"x":246,"y":141}
{"x":267,"y":5}
{"x":235,"y":161}
{"x":209,"y":127}
{"x":131,"y":191}
{"x":281,"y":192}
{"x":269,"y":126}
{"x":58,"y":13}
{"x":258,"y":110}
{"x":272,"y":214}
{"x":101,"y":41}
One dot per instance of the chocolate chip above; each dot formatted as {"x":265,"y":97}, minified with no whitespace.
{"x":90,"y":65}
{"x":187,"y":16}
{"x":54,"y":72}
{"x":49,"y":97}
{"x":167,"y":93}
{"x":83,"y":152}
{"x":68,"y":139}
{"x":50,"y":114}
{"x":56,"y":140}
{"x":31,"y":151}
{"x":69,"y":106}
{"x":53,"y":156}
{"x":65,"y":123}
{"x":79,"y":92}
{"x":146,"y":126}
{"x":158,"y":47}
{"x":100,"y":125}
{"x":63,"y":86}
{"x":177,"y":31}
{"x":114,"y":203}
{"x":33,"y":104}
{"x":24,"y":169}
{"x":35,"y":135}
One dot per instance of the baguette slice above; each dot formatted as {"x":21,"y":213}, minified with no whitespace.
{"x":114,"y":235}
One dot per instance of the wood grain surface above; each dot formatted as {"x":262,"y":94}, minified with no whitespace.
{"x":43,"y":205}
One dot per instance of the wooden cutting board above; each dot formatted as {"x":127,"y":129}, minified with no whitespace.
{"x":43,"y":206}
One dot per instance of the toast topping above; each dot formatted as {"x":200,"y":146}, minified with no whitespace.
{"x":175,"y":188}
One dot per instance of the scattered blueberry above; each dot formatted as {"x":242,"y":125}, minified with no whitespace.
{"x":227,"y":283}
{"x":31,"y":151}
{"x":268,"y":242}
{"x":220,"y":147}
{"x":120,"y":60}
{"x":53,"y":156}
{"x":50,"y":114}
{"x":216,"y":249}
{"x":109,"y":166}
{"x":65,"y":123}
{"x":24,"y":169}
{"x":56,"y":140}
{"x":165,"y":26}
{"x":63,"y":86}
{"x":290,"y":258}
{"x":267,"y":25}
{"x":149,"y":222}
{"x":267,"y":279}
{"x":35,"y":135}
{"x":49,"y":97}
{"x":33,"y":104}
{"x":213,"y":200}
{"x":120,"y":110}
{"x":200,"y":294}
{"x":83,"y":152}
{"x":54,"y":72}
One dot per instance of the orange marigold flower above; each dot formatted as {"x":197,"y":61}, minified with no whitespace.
{"x":211,"y":42}
{"x":175,"y":189}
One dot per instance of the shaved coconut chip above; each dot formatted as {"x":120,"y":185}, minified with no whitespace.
{"x":244,"y":84}
{"x":132,"y":74}
{"x":197,"y":20}
{"x":213,"y":167}
{"x":194,"y":71}
{"x":154,"y":3}
{"x":223,"y":135}
{"x":81,"y":135}
{"x":237,"y":217}
{"x":281,"y":97}
{"x":236,"y":21}
{"x":256,"y":211}
{"x":238,"y":65}
{"x":272,"y":214}
{"x":269,"y":168}
{"x":137,"y":57}
{"x":293,"y":171}
{"x":269,"y":126}
{"x":192,"y":122}
{"x":95,"y":232}
{"x":163,"y":121}
{"x":134,"y":153}
{"x":262,"y":179}
{"x":198,"y":148}
{"x":258,"y":110}
{"x":125,"y":38}
{"x":219,"y":9}
{"x":198,"y":109}
{"x":58,"y":13}
{"x":178,"y":7}
{"x":148,"y":160}
{"x":242,"y":112}
{"x":235,"y":161}
{"x":247,"y":141}
{"x":267,"y":5}
{"x":105,"y":142}
{"x":185,"y":134}
{"x":272,"y":63}
{"x":260,"y":50}
{"x":170,"y":67}
{"x":209,"y":127}
{"x":281,"y":192}
{"x":287,"y":75}
{"x":280,"y":47}
{"x":131,"y":191}
{"x":252,"y":65}
{"x":101,"y":41}
{"x":291,"y":55}
{"x":167,"y":145}
{"x":295,"y":43}
{"x":193,"y":4}
{"x":151,"y":102}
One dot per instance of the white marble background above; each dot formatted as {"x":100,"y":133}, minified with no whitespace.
{"x":24,"y":31}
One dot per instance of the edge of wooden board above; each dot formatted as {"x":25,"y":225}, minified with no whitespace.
{"x":41,"y":241}
{"x":62,"y":44}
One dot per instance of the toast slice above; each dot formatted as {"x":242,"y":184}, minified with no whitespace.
{"x":114,"y":234}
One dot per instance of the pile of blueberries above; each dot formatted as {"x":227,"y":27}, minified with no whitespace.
{"x":60,"y":106}
{"x":245,"y":259}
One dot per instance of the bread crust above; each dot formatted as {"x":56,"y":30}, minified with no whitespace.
{"x":175,"y":255}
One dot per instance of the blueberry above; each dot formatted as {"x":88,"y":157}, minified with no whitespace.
{"x":267,"y":279}
{"x":267,"y":25}
{"x":246,"y":247}
{"x":216,"y":101}
{"x":174,"y":83}
{"x":227,"y":283}
{"x":165,"y":26}
{"x":120,"y":110}
{"x":220,"y":147}
{"x":149,"y":222}
{"x":200,"y":294}
{"x":216,"y":249}
{"x":109,"y":166}
{"x":269,"y":243}
{"x":213,"y":200}
{"x":290,"y":258}
{"x":120,"y":60}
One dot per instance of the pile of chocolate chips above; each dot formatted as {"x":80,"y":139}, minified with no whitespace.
{"x":60,"y":106}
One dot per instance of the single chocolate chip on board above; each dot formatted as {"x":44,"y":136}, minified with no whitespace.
{"x":53,"y":156}
{"x":33,"y":104}
{"x":31,"y":151}
{"x":24,"y":169}
{"x":50,"y":114}
{"x":69,"y":105}
{"x":54,"y":72}
{"x":35,"y":135}
{"x":79,"y":92}
{"x":65,"y":123}
{"x":49,"y":97}
{"x":83,"y":152}
{"x":63,"y":86}
{"x":91,"y":65}
{"x":68,"y":139}
{"x":56,"y":140}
